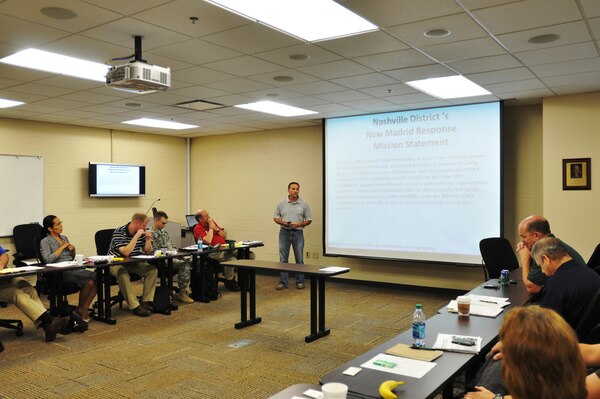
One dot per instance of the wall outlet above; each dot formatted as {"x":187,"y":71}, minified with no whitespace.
{"x":307,"y":255}
{"x":315,"y":254}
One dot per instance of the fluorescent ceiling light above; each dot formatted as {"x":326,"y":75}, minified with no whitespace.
{"x":4,"y":103}
{"x":57,"y":63}
{"x":160,"y":124}
{"x":449,"y":87}
{"x":270,"y":107}
{"x":310,"y":20}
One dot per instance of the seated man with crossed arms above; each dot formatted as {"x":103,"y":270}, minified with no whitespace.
{"x":130,"y":240}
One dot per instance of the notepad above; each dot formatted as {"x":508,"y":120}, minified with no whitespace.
{"x":444,"y":343}
{"x":406,"y":351}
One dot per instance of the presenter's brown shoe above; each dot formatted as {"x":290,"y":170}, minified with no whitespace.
{"x":141,"y":311}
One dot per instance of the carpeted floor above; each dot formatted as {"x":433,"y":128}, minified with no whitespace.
{"x":186,"y":354}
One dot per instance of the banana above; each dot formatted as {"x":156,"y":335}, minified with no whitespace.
{"x":386,"y":387}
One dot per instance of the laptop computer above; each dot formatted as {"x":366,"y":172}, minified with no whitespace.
{"x":191,"y":221}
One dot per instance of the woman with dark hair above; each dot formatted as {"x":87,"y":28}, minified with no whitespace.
{"x":55,"y":247}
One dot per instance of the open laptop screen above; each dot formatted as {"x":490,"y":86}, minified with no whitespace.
{"x":191,"y":220}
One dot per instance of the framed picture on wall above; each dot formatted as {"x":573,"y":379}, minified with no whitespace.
{"x":577,"y":174}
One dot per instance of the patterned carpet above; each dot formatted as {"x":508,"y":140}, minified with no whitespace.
{"x":186,"y":354}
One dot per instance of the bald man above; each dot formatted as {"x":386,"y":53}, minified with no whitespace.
{"x":532,"y":229}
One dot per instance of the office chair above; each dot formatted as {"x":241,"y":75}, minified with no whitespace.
{"x":102,"y":239}
{"x":43,"y":282}
{"x":588,"y":328}
{"x":11,"y":324}
{"x":594,"y":261}
{"x":497,"y":254}
{"x":24,"y":235}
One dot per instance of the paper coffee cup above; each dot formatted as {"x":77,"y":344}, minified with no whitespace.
{"x":334,"y":390}
{"x":464,"y":305}
{"x":79,"y":259}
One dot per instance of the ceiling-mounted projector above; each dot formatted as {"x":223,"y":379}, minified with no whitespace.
{"x":138,"y":76}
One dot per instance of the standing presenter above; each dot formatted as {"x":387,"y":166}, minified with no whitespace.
{"x":292,"y":215}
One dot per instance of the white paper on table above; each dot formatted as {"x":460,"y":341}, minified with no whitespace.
{"x":408,"y":367}
{"x":20,"y":269}
{"x":444,"y":343}
{"x":143,"y":257}
{"x":96,"y":258}
{"x":64,"y":263}
{"x":477,"y":309}
{"x":334,"y":269}
{"x":194,"y":247}
{"x":488,"y":300}
{"x":313,"y":393}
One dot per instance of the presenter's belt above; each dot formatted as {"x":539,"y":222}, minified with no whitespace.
{"x":291,"y":229}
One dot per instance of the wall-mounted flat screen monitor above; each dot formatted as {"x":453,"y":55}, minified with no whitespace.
{"x":116,"y":180}
{"x":422,"y":184}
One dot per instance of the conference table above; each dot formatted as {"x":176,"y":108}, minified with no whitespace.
{"x":450,"y":364}
{"x":316,"y":274}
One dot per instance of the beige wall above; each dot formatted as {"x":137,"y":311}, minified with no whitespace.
{"x":240,"y":178}
{"x":68,"y":149}
{"x":571,"y":131}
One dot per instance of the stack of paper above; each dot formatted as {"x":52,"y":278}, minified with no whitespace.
{"x":407,"y":351}
{"x":482,"y":305}
{"x":333,"y":269}
{"x":64,"y":263}
{"x":444,"y":343}
{"x":8,"y":270}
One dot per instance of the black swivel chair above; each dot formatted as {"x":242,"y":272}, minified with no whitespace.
{"x":594,"y":262}
{"x":24,"y":236}
{"x":588,"y":329}
{"x":497,"y":254}
{"x":102,"y":239}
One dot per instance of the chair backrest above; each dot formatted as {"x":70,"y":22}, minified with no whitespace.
{"x":594,"y":261}
{"x":497,"y":254}
{"x":24,"y":236}
{"x":102,"y":239}
{"x":589,"y":320}
{"x":174,"y":231}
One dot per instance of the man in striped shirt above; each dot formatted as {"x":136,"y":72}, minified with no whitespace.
{"x":130,"y":240}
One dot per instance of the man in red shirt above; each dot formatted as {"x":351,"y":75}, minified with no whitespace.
{"x":213,"y":234}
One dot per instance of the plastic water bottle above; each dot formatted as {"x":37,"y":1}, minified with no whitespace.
{"x":199,"y":242}
{"x":418,"y":326}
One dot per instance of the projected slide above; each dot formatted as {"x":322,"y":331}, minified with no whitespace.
{"x":420,"y":184}
{"x":118,"y":179}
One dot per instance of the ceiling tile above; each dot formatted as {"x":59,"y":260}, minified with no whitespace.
{"x":389,"y":90}
{"x":528,"y":84}
{"x":24,"y":34}
{"x":421,"y":72}
{"x":35,"y":88}
{"x":364,"y":81}
{"x":281,"y":56}
{"x":394,"y":60}
{"x":298,"y":76}
{"x":573,"y":32}
{"x":196,"y":52}
{"x":244,"y":66}
{"x":472,"y":48}
{"x":556,"y":54}
{"x":567,"y":67}
{"x":200,"y":75}
{"x":240,"y":85}
{"x":590,"y":78}
{"x":336,"y":69}
{"x":252,"y":38}
{"x":125,"y":7}
{"x":506,"y":75}
{"x":199,"y":92}
{"x":591,"y":8}
{"x":365,"y":44}
{"x":522,"y":15}
{"x":484,"y":64}
{"x":595,"y":26}
{"x":316,"y":88}
{"x":344,"y":96}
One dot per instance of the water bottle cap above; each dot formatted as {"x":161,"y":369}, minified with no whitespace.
{"x":419,"y":306}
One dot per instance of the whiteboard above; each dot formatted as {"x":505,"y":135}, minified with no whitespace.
{"x":21,"y":191}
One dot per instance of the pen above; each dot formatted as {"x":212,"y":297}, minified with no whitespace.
{"x":422,"y":348}
{"x":483,"y":300}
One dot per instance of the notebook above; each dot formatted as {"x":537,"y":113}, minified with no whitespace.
{"x":406,"y":351}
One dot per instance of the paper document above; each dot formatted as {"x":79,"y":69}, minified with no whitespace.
{"x":488,"y":300}
{"x":63,"y":263}
{"x":247,"y":242}
{"x":143,"y":257}
{"x":444,"y":343}
{"x":97,"y":258}
{"x":194,"y":247}
{"x":333,"y":269}
{"x":402,"y":366}
{"x":8,"y":270}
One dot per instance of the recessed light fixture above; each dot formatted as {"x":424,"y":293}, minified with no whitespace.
{"x":270,"y":107}
{"x":449,"y":87}
{"x":542,"y":39}
{"x":159,"y":124}
{"x":299,"y":57}
{"x":272,"y":95}
{"x":283,"y":78}
{"x":310,"y":20}
{"x":57,"y":63}
{"x":133,"y":105}
{"x":4,"y":103}
{"x":58,"y":13}
{"x":437,"y":33}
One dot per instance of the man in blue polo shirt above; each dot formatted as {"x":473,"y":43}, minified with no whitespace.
{"x":293,"y":215}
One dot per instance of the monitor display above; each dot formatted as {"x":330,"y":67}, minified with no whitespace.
{"x":413,"y":185}
{"x":116,"y":180}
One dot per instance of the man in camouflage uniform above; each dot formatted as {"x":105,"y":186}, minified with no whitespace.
{"x":161,"y":240}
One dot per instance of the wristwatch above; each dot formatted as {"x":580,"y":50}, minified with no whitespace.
{"x":498,"y":396}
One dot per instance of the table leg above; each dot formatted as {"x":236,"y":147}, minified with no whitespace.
{"x":103,"y":287}
{"x":247,"y":279}
{"x":317,"y":310}
{"x":170,"y":284}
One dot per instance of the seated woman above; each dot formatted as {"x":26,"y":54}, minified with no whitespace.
{"x":55,"y":247}
{"x":541,"y":357}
